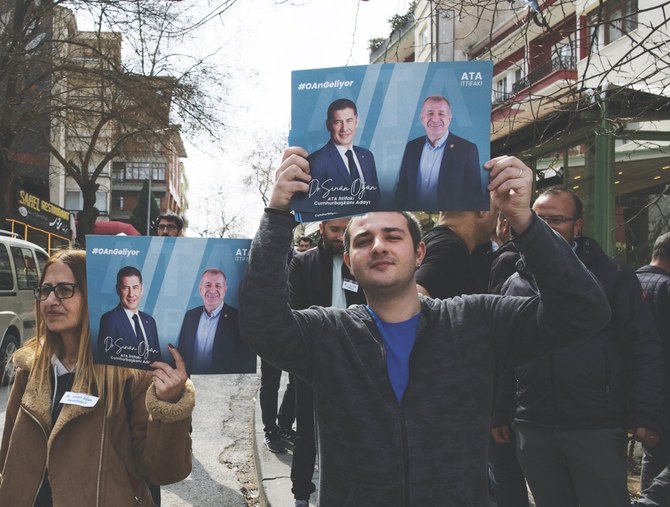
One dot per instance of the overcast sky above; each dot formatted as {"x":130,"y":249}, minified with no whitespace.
{"x":262,"y":42}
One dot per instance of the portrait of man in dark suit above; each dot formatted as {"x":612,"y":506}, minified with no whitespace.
{"x":339,"y":164}
{"x":209,"y":339}
{"x":439,"y":171}
{"x":127,"y":335}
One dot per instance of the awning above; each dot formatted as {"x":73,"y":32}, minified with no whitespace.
{"x":113,"y":227}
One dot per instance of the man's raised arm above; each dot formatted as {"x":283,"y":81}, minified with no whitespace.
{"x":266,"y":320}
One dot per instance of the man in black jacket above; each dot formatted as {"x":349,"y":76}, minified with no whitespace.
{"x":655,"y":280}
{"x":403,"y":385}
{"x":316,"y":277}
{"x":573,"y":406}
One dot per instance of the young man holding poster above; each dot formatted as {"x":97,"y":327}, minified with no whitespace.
{"x":390,"y":434}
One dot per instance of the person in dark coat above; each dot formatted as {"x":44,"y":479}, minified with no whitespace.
{"x":655,"y":280}
{"x":573,"y":407}
{"x":403,"y":385}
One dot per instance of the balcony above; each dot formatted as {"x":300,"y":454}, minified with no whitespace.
{"x":500,"y":96}
{"x":541,"y":71}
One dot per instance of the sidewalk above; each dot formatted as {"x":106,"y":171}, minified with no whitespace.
{"x":274,"y":470}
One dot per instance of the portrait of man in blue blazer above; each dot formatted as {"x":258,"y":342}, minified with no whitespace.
{"x":209,"y":339}
{"x":439,"y":171}
{"x":127,"y":336}
{"x":339,"y":164}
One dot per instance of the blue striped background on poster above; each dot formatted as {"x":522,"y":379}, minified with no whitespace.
{"x":389,"y":99}
{"x":171,"y":269}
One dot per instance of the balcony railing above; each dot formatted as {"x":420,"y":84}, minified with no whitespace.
{"x":500,"y":96}
{"x":542,"y":71}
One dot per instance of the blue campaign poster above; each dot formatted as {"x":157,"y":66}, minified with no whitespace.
{"x":147,"y":292}
{"x":406,"y":136}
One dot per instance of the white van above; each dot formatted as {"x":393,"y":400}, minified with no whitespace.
{"x":21,"y":265}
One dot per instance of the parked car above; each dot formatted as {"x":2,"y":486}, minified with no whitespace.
{"x":21,"y":264}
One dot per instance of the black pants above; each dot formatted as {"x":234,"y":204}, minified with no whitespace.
{"x":304,"y":452}
{"x":273,"y":418}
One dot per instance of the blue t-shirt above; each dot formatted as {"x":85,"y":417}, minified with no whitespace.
{"x":399,"y":338}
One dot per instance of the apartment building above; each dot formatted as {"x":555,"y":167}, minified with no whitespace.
{"x":581,"y":91}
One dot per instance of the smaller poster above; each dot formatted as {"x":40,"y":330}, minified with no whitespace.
{"x":391,"y":137}
{"x":145,"y":293}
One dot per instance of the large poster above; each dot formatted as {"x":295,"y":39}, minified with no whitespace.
{"x":408,"y":136}
{"x":146,"y":293}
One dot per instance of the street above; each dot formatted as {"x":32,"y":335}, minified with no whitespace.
{"x":223,"y":467}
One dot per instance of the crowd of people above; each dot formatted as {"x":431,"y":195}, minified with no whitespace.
{"x":444,"y":369}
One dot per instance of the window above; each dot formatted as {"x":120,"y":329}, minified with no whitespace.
{"x":138,"y":171}
{"x":101,"y":201}
{"x":25,"y":267}
{"x":75,"y":202}
{"x":612,"y":21}
{"x":6,"y":278}
{"x":118,"y":171}
{"x":118,"y":202}
{"x":564,"y":53}
{"x":423,"y":37}
{"x":500,"y":93}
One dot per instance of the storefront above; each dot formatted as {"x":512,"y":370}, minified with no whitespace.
{"x":40,"y":222}
{"x":614,"y":152}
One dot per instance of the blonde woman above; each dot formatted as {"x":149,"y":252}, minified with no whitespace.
{"x":79,"y":433}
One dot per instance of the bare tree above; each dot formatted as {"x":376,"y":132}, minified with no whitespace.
{"x":219,"y":221}
{"x":85,"y":102}
{"x":263,"y":161}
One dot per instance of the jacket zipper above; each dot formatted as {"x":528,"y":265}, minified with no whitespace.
{"x":553,"y":391}
{"x":403,"y":430}
{"x":608,"y":375}
{"x":102,"y":452}
{"x":44,"y":469}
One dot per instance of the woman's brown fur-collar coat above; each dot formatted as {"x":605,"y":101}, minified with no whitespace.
{"x":92,"y":459}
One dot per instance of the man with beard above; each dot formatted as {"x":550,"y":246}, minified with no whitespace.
{"x":317,"y":277}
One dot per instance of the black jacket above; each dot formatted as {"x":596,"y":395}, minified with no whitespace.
{"x":311,"y":279}
{"x":656,"y":289}
{"x":613,"y":379}
{"x":431,"y":448}
{"x":503,"y":266}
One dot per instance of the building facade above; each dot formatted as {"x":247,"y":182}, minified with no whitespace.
{"x":580,"y":92}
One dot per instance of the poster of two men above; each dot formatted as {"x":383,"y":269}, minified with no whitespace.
{"x":392,"y":137}
{"x":146,"y":293}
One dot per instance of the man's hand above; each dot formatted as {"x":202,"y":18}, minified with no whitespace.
{"x":291,"y":177}
{"x":169,"y":381}
{"x":647,"y":437}
{"x":510,"y":188}
{"x":500,"y":434}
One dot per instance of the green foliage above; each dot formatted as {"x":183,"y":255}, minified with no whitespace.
{"x":397,"y":21}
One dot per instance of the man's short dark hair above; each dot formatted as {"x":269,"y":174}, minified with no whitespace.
{"x":661,"y":249}
{"x":340,"y":104}
{"x":172,"y":217}
{"x":307,"y":239}
{"x":126,"y":272}
{"x":413,"y":226}
{"x":559,"y":190}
